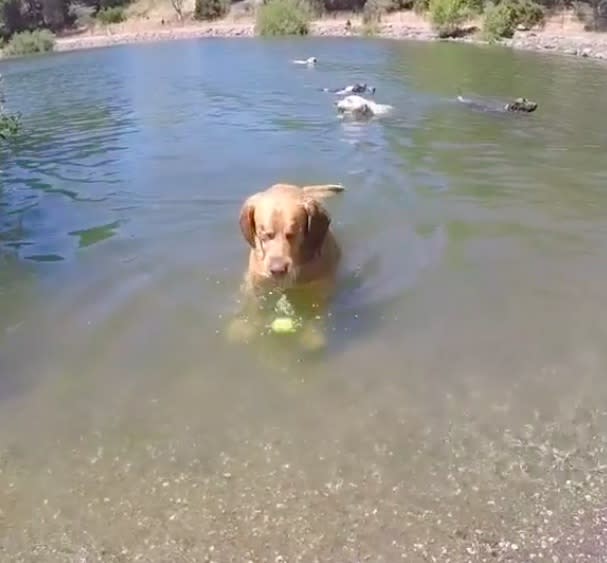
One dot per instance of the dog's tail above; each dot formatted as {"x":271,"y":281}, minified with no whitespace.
{"x":323,"y":190}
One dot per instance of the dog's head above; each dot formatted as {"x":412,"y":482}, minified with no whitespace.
{"x":362,"y":88}
{"x":522,"y":105}
{"x":286,"y":228}
{"x":354,"y":105}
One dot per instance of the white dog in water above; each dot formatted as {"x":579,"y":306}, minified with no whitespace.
{"x":357,"y":106}
{"x":310,"y":61}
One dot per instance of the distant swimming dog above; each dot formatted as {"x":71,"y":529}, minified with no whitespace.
{"x":359,"y":107}
{"x":358,"y":88}
{"x":310,"y":61}
{"x":520,"y":105}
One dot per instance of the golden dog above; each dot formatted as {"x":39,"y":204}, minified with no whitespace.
{"x":293,"y":251}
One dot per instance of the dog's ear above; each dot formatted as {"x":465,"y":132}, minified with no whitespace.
{"x":316,"y":227}
{"x":247,"y":219}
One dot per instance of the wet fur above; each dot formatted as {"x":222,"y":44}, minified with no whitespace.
{"x":361,"y":108}
{"x":288,"y":225}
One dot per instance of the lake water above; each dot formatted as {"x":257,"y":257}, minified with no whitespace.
{"x":460,"y":410}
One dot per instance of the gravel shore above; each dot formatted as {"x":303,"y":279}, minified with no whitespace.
{"x":408,"y":26}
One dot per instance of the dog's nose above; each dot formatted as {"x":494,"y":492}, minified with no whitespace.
{"x":278,"y":267}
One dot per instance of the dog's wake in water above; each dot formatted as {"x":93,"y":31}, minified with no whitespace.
{"x":310,"y":61}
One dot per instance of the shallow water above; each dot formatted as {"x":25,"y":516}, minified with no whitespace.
{"x":459,"y":411}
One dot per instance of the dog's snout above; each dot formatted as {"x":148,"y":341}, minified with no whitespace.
{"x":278,"y":267}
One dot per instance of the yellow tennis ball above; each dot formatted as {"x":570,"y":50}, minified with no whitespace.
{"x":283,"y":325}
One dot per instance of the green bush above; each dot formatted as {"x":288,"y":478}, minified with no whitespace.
{"x":372,"y":15}
{"x":30,"y":42}
{"x":501,"y":20}
{"x":114,"y":14}
{"x":10,"y":124}
{"x":283,"y":17}
{"x":110,"y":3}
{"x":211,"y":9}
{"x":448,"y":15}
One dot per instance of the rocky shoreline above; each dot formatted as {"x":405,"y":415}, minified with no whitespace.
{"x":589,"y":45}
{"x":586,"y":44}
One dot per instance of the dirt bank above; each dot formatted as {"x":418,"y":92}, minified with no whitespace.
{"x":561,"y":34}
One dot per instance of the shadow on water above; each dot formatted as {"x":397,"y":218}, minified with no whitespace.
{"x":73,"y":153}
{"x":93,"y":235}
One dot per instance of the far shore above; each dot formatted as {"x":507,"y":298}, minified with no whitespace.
{"x":561,"y":33}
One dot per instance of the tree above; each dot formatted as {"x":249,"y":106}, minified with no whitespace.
{"x":178,"y":7}
{"x":11,"y":19}
{"x":211,"y":9}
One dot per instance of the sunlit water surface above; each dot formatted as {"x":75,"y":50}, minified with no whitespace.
{"x":459,"y":412}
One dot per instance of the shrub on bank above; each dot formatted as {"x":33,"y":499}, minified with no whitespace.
{"x":283,"y":17}
{"x":113,"y":14}
{"x":211,"y":9}
{"x":372,"y":12}
{"x":501,"y":20}
{"x":30,"y":42}
{"x":372,"y":15}
{"x":447,"y":16}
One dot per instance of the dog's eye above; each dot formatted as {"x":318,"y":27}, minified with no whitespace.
{"x":267,"y":235}
{"x":290,"y":236}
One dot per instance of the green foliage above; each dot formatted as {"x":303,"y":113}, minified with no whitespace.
{"x":29,"y":15}
{"x":211,"y":9}
{"x":30,"y":42}
{"x":501,"y":20}
{"x":283,"y":17}
{"x":111,"y":3}
{"x":11,"y":17}
{"x":448,"y":15}
{"x":114,"y":14}
{"x":10,"y":123}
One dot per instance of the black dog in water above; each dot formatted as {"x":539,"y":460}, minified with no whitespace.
{"x":358,"y":88}
{"x":520,"y":105}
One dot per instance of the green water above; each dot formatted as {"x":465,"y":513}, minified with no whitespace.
{"x":458,"y":413}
